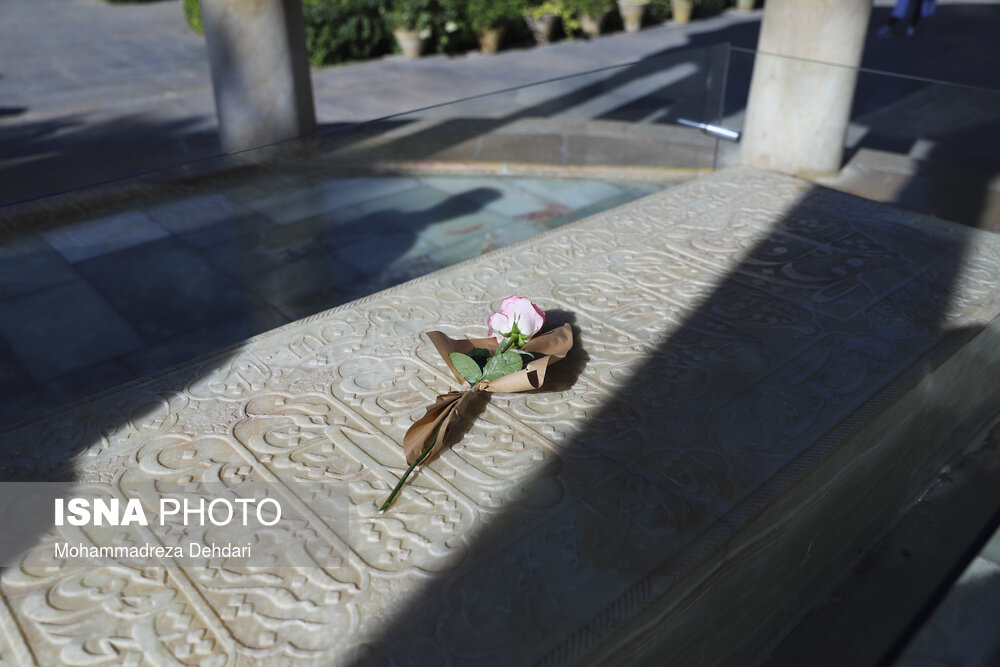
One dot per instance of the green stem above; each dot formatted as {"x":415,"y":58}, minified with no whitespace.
{"x":402,"y":480}
{"x":504,"y":347}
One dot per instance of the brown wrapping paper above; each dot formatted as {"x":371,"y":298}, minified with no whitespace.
{"x":548,"y":348}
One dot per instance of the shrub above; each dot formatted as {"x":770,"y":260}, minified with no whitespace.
{"x":709,"y":7}
{"x":491,"y":14}
{"x":559,"y":8}
{"x":453,"y":30}
{"x":593,"y":8}
{"x":658,"y":11}
{"x":342,"y":30}
{"x":418,"y":15}
{"x":336,"y":30}
{"x":192,"y":12}
{"x":443,"y":22}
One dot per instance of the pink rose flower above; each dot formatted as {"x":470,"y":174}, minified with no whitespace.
{"x":518,"y":317}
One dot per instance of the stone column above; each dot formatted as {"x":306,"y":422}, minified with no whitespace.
{"x":260,"y":71}
{"x":803,"y":85}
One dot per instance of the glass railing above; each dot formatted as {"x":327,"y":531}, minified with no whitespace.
{"x":926,"y":145}
{"x":103,"y":284}
{"x":620,"y":118}
{"x":112,"y":282}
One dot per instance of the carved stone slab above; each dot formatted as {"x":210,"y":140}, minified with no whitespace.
{"x":765,"y":372}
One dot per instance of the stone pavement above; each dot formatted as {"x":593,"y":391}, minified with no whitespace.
{"x":77,"y":115}
{"x":754,"y":357}
{"x":93,"y":91}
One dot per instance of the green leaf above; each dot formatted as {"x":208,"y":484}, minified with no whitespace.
{"x":523,"y":353}
{"x":479,"y":355}
{"x":466,"y":366}
{"x":500,"y":365}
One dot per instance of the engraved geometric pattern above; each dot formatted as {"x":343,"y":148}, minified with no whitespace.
{"x":723,"y":326}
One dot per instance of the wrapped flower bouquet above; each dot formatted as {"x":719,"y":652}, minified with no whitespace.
{"x":513,"y":358}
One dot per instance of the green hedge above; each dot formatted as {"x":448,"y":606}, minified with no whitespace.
{"x":592,"y":7}
{"x":336,"y":30}
{"x":345,"y":30}
{"x":490,"y":14}
{"x":658,"y":11}
{"x":192,"y":12}
{"x":342,"y":30}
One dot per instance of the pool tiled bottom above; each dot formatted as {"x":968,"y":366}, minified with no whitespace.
{"x":91,"y":304}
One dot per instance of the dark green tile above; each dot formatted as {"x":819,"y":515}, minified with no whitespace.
{"x":151,"y":271}
{"x":196,"y":213}
{"x":165,"y":288}
{"x":64,"y":328}
{"x":13,"y":376}
{"x":316,"y":279}
{"x":204,"y":340}
{"x":28,"y":264}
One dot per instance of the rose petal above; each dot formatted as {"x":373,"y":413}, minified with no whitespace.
{"x":498,"y":325}
{"x":506,"y":303}
{"x":528,"y":317}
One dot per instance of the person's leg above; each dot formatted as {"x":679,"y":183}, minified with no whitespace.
{"x":898,"y":12}
{"x":915,"y":10}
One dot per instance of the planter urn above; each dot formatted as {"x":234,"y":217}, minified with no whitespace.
{"x":410,"y":42}
{"x":682,"y":10}
{"x":591,"y":25}
{"x":632,"y":13}
{"x":489,"y":40}
{"x":542,"y":27}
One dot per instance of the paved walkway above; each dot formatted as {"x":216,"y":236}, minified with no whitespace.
{"x":93,"y":91}
{"x":75,"y":114}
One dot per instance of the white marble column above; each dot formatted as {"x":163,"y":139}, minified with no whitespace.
{"x":260,"y":71}
{"x":803,"y":85}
